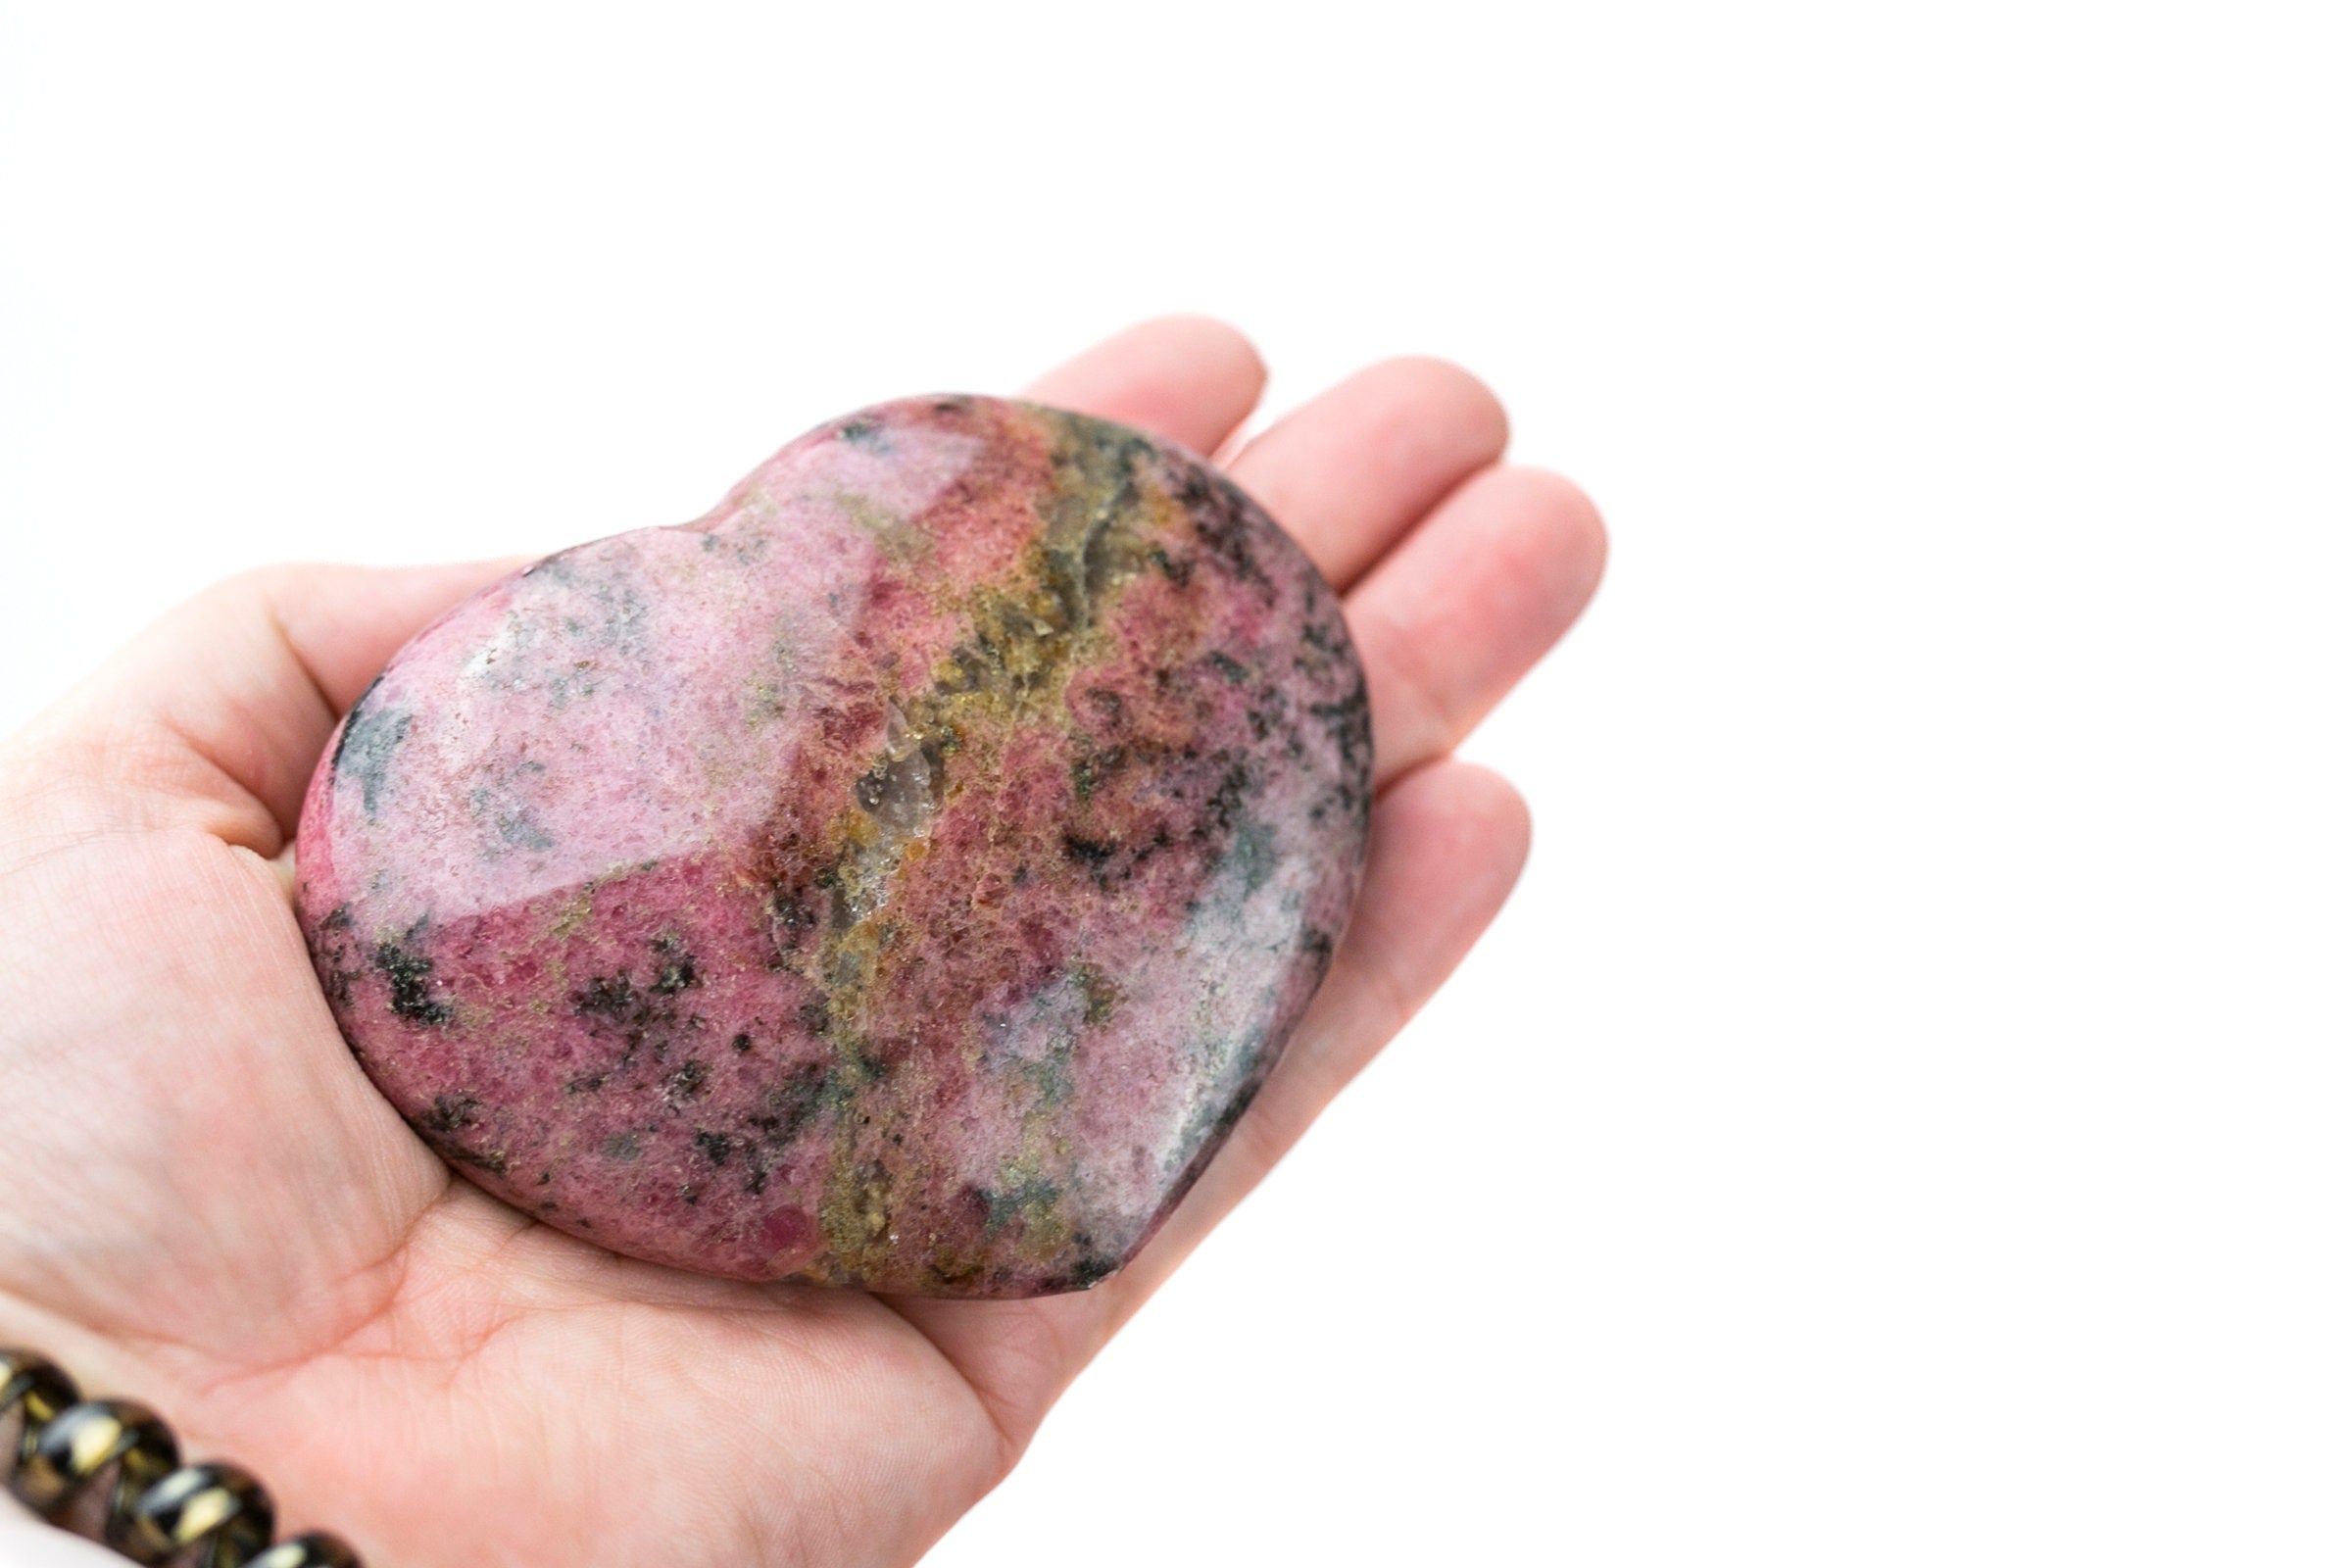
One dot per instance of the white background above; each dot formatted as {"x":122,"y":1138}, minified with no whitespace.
{"x":1903,"y":1116}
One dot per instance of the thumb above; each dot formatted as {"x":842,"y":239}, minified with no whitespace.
{"x":215,"y":716}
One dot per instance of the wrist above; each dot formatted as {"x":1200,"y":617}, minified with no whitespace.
{"x":113,"y":1471}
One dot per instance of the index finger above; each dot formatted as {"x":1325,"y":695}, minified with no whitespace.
{"x":1190,"y":379}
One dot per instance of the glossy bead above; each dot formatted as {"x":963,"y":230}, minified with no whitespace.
{"x":33,"y":1391}
{"x":318,"y":1550}
{"x":202,"y":1516}
{"x":81,"y":1443}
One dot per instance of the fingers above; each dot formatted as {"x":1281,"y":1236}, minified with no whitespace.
{"x":215,"y":716}
{"x":1451,"y":618}
{"x":1349,"y":473}
{"x":1188,"y":378}
{"x":1447,"y":843}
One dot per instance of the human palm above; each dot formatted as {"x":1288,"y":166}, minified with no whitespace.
{"x":205,"y":1206}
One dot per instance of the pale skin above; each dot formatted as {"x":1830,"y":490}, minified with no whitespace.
{"x":206,"y":1206}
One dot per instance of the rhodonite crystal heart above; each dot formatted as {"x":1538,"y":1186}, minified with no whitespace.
{"x":901,"y":877}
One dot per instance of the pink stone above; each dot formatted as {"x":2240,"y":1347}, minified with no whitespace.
{"x":901,"y":877}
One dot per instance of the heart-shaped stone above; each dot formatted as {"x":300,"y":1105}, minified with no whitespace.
{"x":901,"y":877}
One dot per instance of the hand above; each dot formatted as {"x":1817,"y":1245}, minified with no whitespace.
{"x":205,"y":1206}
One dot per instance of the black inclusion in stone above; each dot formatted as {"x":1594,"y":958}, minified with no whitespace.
{"x":372,"y":733}
{"x":410,"y":977}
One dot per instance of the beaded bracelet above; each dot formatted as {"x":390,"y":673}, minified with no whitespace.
{"x":110,"y":1470}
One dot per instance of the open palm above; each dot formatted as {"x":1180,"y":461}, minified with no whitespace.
{"x":205,"y":1206}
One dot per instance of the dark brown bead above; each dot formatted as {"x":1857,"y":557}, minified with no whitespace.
{"x":81,"y":1445}
{"x":318,"y":1550}
{"x":200,"y":1516}
{"x":33,"y":1391}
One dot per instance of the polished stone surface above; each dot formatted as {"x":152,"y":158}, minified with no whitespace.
{"x":901,"y":877}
